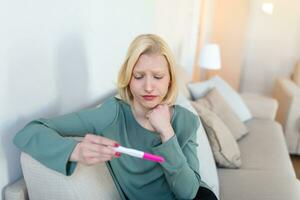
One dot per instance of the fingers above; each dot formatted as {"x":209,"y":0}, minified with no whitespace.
{"x":100,"y":149}
{"x":160,"y":108}
{"x":101,"y":140}
{"x":90,"y":157}
{"x":98,"y":144}
{"x":95,"y":149}
{"x":102,"y":157}
{"x":95,"y":160}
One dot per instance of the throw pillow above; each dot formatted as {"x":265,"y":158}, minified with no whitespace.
{"x":216,"y":103}
{"x":234,"y":100}
{"x":208,"y":169}
{"x":223,"y":144}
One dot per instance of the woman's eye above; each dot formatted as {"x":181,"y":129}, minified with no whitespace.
{"x":138,"y":77}
{"x":158,"y":77}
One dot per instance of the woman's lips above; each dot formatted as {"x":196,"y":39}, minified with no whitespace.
{"x":149,"y":97}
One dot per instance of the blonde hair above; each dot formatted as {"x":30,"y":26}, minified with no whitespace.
{"x":146,"y":44}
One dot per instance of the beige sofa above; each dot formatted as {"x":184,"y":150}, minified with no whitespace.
{"x":266,"y":172}
{"x":287,"y":93}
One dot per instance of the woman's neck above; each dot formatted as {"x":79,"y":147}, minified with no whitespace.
{"x":139,"y":111}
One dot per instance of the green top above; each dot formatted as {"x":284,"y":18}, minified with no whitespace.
{"x":176,"y":178}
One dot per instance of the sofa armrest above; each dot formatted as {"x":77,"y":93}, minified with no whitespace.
{"x":260,"y":106}
{"x":16,"y":191}
{"x":287,"y":94}
{"x":86,"y":182}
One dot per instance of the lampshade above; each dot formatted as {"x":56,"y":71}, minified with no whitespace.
{"x":210,"y":57}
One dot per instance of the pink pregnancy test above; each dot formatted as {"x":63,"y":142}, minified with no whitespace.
{"x":139,"y":154}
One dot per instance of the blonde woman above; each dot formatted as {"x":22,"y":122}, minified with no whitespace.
{"x":143,"y":118}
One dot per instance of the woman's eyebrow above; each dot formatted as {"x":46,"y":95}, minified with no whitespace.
{"x":138,"y":72}
{"x":154,"y":71}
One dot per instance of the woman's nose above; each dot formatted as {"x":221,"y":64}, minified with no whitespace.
{"x":148,"y":86}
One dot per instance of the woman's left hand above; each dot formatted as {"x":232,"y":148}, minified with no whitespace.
{"x":160,"y":119}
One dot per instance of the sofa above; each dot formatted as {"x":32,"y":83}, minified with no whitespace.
{"x":266,"y":172}
{"x":287,"y":92}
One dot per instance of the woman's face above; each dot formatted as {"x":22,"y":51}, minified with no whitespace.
{"x":150,"y":80}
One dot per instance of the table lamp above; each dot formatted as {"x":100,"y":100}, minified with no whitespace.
{"x":210,"y":57}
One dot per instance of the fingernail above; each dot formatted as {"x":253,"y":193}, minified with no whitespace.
{"x":118,"y":154}
{"x":116,"y":145}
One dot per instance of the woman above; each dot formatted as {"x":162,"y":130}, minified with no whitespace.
{"x":143,"y":118}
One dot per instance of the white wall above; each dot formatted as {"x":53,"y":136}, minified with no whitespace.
{"x":177,"y":22}
{"x":273,"y":45}
{"x":60,"y":56}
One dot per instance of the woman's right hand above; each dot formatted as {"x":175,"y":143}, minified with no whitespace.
{"x":94,"y":149}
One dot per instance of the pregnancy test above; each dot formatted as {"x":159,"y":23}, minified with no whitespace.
{"x":140,"y":154}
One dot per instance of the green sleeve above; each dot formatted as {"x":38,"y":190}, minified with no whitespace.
{"x":45,"y":139}
{"x":181,"y":166}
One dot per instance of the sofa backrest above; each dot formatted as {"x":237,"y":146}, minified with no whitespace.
{"x":183,"y":79}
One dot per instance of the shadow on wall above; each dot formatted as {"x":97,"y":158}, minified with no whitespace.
{"x":71,"y":74}
{"x":71,"y":87}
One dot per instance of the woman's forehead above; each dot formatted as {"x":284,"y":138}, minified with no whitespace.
{"x":152,"y":62}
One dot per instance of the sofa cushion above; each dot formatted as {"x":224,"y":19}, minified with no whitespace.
{"x":296,"y":74}
{"x":257,"y":185}
{"x":200,"y":89}
{"x":223,"y":144}
{"x":264,"y":148}
{"x":216,"y":103}
{"x":208,"y":169}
